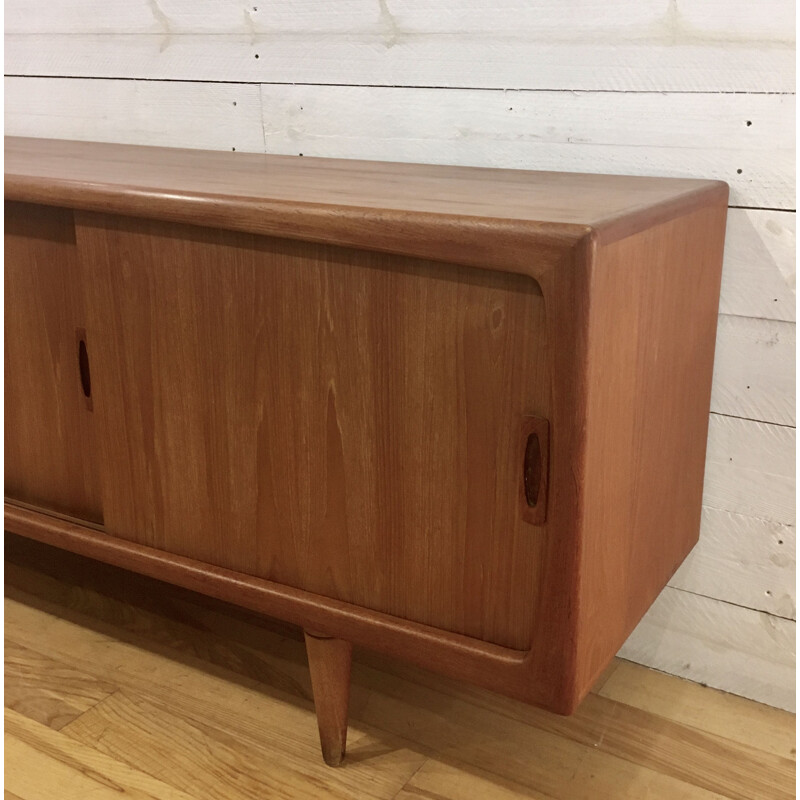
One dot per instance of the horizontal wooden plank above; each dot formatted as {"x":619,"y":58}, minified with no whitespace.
{"x":754,"y":725}
{"x":41,"y":763}
{"x":750,"y":469}
{"x":736,"y":649}
{"x":448,"y":17}
{"x":742,"y":560}
{"x":758,"y":276}
{"x":194,"y":115}
{"x":445,"y":780}
{"x":621,"y":133}
{"x":754,"y":370}
{"x":697,"y":45}
{"x":46,"y":690}
{"x":212,"y":758}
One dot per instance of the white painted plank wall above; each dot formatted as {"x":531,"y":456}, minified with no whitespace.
{"x":718,"y":644}
{"x":633,"y":45}
{"x":744,"y":560}
{"x":635,"y":133}
{"x":661,"y":87}
{"x":759,"y":275}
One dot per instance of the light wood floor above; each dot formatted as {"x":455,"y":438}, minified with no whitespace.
{"x":120,"y":687}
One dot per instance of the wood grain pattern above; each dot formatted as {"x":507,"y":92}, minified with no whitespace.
{"x":294,"y":198}
{"x":207,"y":762}
{"x":49,"y":433}
{"x":734,"y":718}
{"x":643,"y":389}
{"x":40,"y":763}
{"x":329,"y":665}
{"x":340,"y":423}
{"x":46,"y":691}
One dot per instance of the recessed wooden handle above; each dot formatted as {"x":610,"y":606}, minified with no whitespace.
{"x":535,"y":468}
{"x":83,"y":367}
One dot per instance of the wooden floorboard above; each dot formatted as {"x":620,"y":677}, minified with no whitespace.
{"x":115,"y":684}
{"x":42,"y":763}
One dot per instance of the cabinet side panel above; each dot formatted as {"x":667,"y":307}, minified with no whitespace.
{"x":49,"y":451}
{"x":339,"y":421}
{"x":652,"y":331}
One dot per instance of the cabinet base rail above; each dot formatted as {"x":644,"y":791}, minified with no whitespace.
{"x":331,"y":626}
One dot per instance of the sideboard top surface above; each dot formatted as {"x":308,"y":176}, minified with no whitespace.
{"x":226,"y":189}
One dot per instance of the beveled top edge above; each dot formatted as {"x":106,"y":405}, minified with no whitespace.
{"x":68,"y":168}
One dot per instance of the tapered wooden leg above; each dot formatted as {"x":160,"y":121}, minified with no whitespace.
{"x":329,"y":663}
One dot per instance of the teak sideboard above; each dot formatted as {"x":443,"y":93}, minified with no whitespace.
{"x":454,"y":415}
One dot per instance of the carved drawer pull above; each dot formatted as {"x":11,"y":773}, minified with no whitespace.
{"x":83,"y":367}
{"x":536,"y":463}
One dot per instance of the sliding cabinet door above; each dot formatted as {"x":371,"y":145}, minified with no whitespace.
{"x":344,"y":422}
{"x":49,"y":431}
